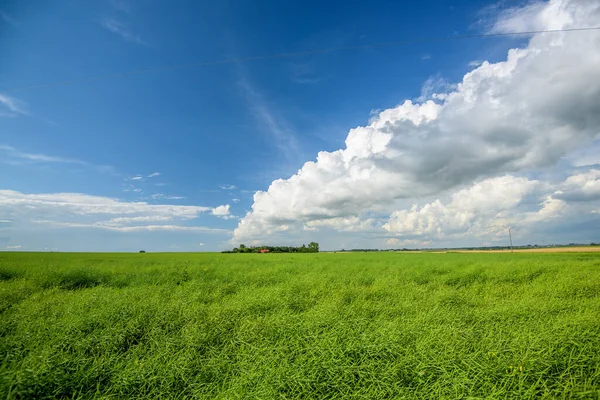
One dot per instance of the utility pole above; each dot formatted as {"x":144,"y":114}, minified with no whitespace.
{"x":510,"y":237}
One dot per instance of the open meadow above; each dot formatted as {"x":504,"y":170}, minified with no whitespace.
{"x":323,"y":326}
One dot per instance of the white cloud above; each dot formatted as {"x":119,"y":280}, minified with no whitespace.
{"x":11,"y":107}
{"x":507,"y":117}
{"x":200,"y":244}
{"x":154,"y":174}
{"x":222,"y":212}
{"x":435,"y":85}
{"x":342,"y":224}
{"x":149,"y":218}
{"x":76,"y":210}
{"x":551,"y":208}
{"x":137,"y":178}
{"x":15,"y":247}
{"x":395,"y":242}
{"x":235,"y":200}
{"x":84,"y":204}
{"x":541,"y":15}
{"x":581,"y":187}
{"x":481,"y":209}
{"x":227,"y":187}
{"x":135,"y":228}
{"x":158,"y":196}
{"x":475,"y":63}
{"x":118,"y":28}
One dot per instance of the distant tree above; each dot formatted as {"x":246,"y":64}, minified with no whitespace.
{"x":313,"y":247}
{"x":142,"y":251}
{"x":242,"y":246}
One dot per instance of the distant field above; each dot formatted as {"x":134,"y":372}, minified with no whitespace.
{"x":583,"y":249}
{"x":322,"y":326}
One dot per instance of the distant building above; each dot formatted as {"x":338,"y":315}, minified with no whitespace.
{"x":264,"y":251}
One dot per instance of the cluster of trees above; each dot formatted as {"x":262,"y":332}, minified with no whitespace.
{"x":313,"y":247}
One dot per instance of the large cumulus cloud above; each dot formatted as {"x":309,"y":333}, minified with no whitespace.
{"x":526,"y":112}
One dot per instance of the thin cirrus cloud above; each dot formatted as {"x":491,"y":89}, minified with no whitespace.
{"x":8,"y":19}
{"x":11,"y":107}
{"x":14,"y":156}
{"x":227,"y":187}
{"x":122,"y":30}
{"x":503,"y":118}
{"x":140,"y":177}
{"x":160,"y":196}
{"x":274,"y":125}
{"x":136,"y":228}
{"x":11,"y":152}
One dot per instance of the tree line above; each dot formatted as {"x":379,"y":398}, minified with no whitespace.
{"x":313,"y":247}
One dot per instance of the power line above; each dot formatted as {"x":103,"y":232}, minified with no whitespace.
{"x":293,"y":54}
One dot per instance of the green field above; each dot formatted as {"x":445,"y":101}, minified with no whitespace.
{"x":233,"y":326}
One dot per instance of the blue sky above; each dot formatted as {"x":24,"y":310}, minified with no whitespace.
{"x":210,"y":137}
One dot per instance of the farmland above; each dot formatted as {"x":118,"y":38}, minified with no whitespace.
{"x":232,"y":326}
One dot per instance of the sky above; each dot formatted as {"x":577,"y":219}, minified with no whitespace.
{"x":431,"y":143}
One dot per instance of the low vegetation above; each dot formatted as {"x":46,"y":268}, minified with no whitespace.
{"x":322,"y":326}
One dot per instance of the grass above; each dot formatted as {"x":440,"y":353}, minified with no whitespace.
{"x":322,"y":326}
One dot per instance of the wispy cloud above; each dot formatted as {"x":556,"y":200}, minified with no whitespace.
{"x":304,"y":73}
{"x":78,"y":210}
{"x":434,"y":85}
{"x":228,"y":187}
{"x":11,"y":107}
{"x":275,"y":126}
{"x":14,"y":156}
{"x":161,"y":196}
{"x":136,"y":228}
{"x":475,"y":63}
{"x":12,"y":152}
{"x":14,"y":247}
{"x":8,"y":19}
{"x":426,"y":57}
{"x":235,"y":200}
{"x":119,"y":28}
{"x":141,"y":178}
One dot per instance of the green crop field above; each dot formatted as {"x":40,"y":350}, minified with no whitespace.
{"x":322,"y":326}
